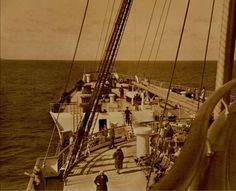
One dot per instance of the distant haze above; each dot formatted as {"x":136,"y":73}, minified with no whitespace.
{"x":48,"y":29}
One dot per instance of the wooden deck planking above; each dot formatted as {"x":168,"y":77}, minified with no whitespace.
{"x":131,"y":178}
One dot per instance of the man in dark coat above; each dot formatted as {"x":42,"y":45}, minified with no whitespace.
{"x":101,"y":181}
{"x":118,"y":156}
{"x":121,"y":92}
{"x":112,"y":137}
{"x":127,"y":116}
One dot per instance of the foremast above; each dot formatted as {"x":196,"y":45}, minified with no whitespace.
{"x":105,"y":68}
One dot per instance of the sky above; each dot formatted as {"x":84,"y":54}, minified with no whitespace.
{"x":48,"y":29}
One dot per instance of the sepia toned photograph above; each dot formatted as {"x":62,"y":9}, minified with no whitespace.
{"x":117,"y":95}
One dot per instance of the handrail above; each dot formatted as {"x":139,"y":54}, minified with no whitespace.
{"x":93,"y":141}
{"x":61,"y":157}
{"x":162,"y":84}
{"x":189,"y":160}
{"x":60,"y":107}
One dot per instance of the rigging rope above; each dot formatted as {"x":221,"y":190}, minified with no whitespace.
{"x":206,"y":51}
{"x":163,"y":29}
{"x":145,"y":39}
{"x":49,"y":145}
{"x":135,"y":32}
{"x":176,"y":58}
{"x":108,"y":27}
{"x":50,"y":141}
{"x":158,"y":26}
{"x":76,"y":47}
{"x":68,"y":79}
{"x":172,"y":76}
{"x":103,"y":26}
{"x":106,"y":35}
{"x":162,"y":32}
{"x":106,"y":68}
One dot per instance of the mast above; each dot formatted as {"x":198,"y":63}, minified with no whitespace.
{"x":105,"y":69}
{"x":226,"y":49}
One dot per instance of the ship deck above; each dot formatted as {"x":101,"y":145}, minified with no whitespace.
{"x":132,"y":177}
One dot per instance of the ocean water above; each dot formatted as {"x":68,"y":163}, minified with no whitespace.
{"x":27,"y":88}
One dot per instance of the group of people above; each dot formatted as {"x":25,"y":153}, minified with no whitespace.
{"x":102,"y":179}
{"x":102,"y":135}
{"x":166,"y":146}
{"x":197,"y":94}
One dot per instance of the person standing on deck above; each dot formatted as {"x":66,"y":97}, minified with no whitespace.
{"x":119,"y":157}
{"x":121,"y":92}
{"x":101,"y":181}
{"x":196,"y":94}
{"x":112,"y":137}
{"x":127,"y":116}
{"x":203,"y":94}
{"x":105,"y":132}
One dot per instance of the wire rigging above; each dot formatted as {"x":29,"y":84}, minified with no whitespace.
{"x":176,"y":58}
{"x":159,"y":43}
{"x":135,"y":32}
{"x":206,"y":51}
{"x":172,"y":76}
{"x":106,"y":67}
{"x":145,"y":39}
{"x":68,"y":79}
{"x":108,"y":27}
{"x":76,"y":47}
{"x":103,"y":27}
{"x":48,"y":148}
{"x":51,"y":138}
{"x":106,"y":35}
{"x":163,"y":30}
{"x":155,"y":37}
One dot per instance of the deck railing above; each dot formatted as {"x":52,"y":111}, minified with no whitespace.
{"x":54,"y":165}
{"x":162,"y":84}
{"x":62,"y":157}
{"x":188,"y":164}
{"x":63,"y":107}
{"x":92,"y":142}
